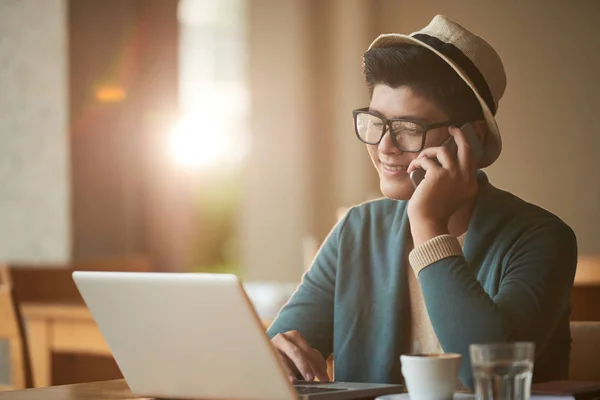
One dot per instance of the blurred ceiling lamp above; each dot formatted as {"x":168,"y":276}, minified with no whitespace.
{"x":203,"y":142}
{"x":110,"y":94}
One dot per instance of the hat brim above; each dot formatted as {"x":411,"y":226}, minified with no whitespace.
{"x":492,"y":146}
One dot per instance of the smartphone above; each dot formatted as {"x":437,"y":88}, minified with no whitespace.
{"x":476,"y":149}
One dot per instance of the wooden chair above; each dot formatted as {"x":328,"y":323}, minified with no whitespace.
{"x":53,"y":286}
{"x":37,"y":284}
{"x":44,"y":283}
{"x":588,"y":270}
{"x":585,"y":299}
{"x":12,"y":330}
{"x":585,"y":364}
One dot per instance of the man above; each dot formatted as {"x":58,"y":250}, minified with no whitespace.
{"x":453,"y":262}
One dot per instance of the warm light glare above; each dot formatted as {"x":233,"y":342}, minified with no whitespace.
{"x":203,"y":142}
{"x":110,"y":94}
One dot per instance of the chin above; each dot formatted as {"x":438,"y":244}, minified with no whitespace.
{"x":397,"y":189}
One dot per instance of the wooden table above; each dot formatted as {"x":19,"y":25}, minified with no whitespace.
{"x":59,"y":328}
{"x":108,"y":390}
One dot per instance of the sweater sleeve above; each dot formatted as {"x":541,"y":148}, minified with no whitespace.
{"x":310,"y":309}
{"x":534,"y":292}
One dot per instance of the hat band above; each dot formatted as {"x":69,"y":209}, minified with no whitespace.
{"x":464,"y":62}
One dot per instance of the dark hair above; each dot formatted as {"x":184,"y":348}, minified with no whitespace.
{"x":426,"y":73}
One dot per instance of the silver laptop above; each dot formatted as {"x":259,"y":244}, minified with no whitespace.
{"x":195,"y":336}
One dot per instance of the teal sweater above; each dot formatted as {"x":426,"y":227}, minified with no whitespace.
{"x":513,"y":284}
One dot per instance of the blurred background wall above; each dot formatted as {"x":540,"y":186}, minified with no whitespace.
{"x":34,"y":150}
{"x":86,"y":152}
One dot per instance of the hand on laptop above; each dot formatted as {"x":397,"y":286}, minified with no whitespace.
{"x":299,"y":357}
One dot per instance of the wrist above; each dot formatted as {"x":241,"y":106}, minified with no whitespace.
{"x":424,"y":230}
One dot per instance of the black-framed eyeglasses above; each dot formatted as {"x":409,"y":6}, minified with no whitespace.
{"x":407,"y":135}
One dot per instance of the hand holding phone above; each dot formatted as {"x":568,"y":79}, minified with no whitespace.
{"x":418,"y":174}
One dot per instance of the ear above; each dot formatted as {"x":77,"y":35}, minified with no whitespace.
{"x":481,"y":130}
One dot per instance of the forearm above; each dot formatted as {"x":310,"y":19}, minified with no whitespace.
{"x":531,"y":292}
{"x":309,"y":317}
{"x":458,"y":306}
{"x":310,"y":309}
{"x":460,"y":311}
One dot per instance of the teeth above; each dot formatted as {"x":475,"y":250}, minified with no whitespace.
{"x":393,"y":167}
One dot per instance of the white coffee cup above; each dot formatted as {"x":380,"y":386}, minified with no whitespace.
{"x":431,"y":376}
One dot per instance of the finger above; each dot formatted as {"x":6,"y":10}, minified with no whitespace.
{"x":438,"y":153}
{"x":317,"y":361}
{"x":297,"y":356}
{"x":464,"y":156}
{"x":321,"y":371}
{"x":291,"y":370}
{"x":424,"y":163}
{"x":323,"y":376}
{"x":288,"y":366}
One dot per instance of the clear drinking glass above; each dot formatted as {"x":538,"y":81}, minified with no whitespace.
{"x":502,"y":371}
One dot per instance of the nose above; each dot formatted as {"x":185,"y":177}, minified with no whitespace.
{"x":386,"y":146}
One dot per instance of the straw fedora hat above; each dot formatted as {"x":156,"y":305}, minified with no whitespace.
{"x":473,"y":59}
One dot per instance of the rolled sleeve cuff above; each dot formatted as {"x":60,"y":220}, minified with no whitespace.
{"x":433,"y":250}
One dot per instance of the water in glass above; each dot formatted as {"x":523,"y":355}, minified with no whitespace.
{"x":506,"y":380}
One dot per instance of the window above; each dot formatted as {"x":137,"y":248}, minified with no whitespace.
{"x":212,"y":134}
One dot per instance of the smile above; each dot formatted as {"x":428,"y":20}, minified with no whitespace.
{"x":393,"y":169}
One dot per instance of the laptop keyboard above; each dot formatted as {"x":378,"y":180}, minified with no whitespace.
{"x":315,"y":389}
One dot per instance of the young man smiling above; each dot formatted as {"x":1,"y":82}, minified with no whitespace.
{"x":453,"y":262}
